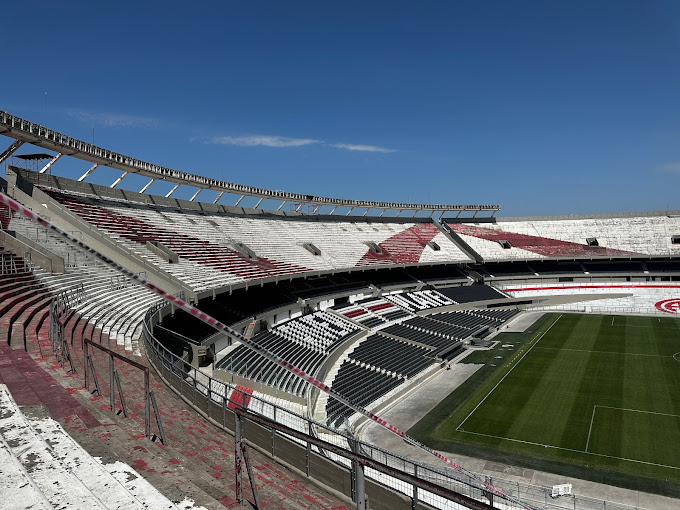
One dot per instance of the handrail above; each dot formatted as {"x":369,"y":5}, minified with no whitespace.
{"x":204,"y":387}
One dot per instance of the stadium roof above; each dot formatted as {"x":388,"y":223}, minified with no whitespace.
{"x":28,"y":132}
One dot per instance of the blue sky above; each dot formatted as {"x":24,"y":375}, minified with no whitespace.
{"x":548,"y":107}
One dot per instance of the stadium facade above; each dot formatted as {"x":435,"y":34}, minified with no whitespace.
{"x":369,"y":300}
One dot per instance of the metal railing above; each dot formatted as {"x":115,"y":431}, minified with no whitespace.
{"x":21,"y":129}
{"x":209,"y":397}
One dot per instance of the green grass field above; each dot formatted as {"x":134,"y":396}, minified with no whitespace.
{"x":582,"y":394}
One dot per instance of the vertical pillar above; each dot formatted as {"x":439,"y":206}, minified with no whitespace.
{"x":237,"y":457}
{"x":112,"y":384}
{"x":414,"y":501}
{"x":85,"y":352}
{"x":147,"y":406}
{"x":358,"y":477}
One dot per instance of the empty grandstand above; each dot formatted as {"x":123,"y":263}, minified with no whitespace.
{"x":375,"y":307}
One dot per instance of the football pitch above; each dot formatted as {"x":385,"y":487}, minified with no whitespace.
{"x":590,"y":391}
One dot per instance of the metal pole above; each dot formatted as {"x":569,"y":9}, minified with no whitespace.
{"x":85,"y":349}
{"x":112,"y":383}
{"x":415,"y":488}
{"x":147,"y":407}
{"x":358,"y":477}
{"x":237,"y":458}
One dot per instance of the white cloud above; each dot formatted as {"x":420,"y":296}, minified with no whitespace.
{"x":262,"y":140}
{"x":361,"y":148}
{"x":284,"y":141}
{"x":671,"y":167}
{"x":111,"y":119}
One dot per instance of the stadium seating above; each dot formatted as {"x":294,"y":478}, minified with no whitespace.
{"x":586,"y":237}
{"x":361,"y":386}
{"x":399,"y":358}
{"x":372,"y":313}
{"x":420,"y":300}
{"x":243,"y":361}
{"x":635,"y":297}
{"x":205,"y":242}
{"x":319,"y":331}
{"x":110,"y":304}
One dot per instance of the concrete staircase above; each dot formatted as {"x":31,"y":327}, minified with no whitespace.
{"x":43,"y":467}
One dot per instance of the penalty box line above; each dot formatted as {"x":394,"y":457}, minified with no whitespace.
{"x":592,"y":419}
{"x":508,"y":373}
{"x":571,"y":449}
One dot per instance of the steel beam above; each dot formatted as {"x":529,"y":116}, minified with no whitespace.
{"x":219,"y":195}
{"x":195,"y":195}
{"x":10,"y":150}
{"x":52,"y":162}
{"x":117,"y":181}
{"x":172,"y":190}
{"x":146,"y":186}
{"x":29,"y":132}
{"x":82,"y":177}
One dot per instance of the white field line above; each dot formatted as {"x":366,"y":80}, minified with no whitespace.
{"x":572,"y":449}
{"x":639,"y":411}
{"x":607,"y":352}
{"x":617,"y":325}
{"x":508,"y":373}
{"x":592,"y":418}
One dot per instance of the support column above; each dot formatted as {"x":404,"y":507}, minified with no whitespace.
{"x":52,"y":162}
{"x":112,"y":384}
{"x":172,"y":191}
{"x":117,"y":181}
{"x":359,"y":483}
{"x":146,"y":186}
{"x":219,"y":195}
{"x":238,"y":466}
{"x":195,"y":195}
{"x":147,"y":404}
{"x":10,"y":150}
{"x":82,"y":177}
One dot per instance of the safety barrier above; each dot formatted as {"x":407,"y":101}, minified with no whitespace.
{"x":210,"y":397}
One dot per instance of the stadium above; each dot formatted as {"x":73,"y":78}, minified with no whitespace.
{"x":536,"y":356}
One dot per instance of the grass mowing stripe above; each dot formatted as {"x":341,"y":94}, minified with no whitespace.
{"x":507,"y":373}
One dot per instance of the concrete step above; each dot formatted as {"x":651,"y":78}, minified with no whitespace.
{"x":60,"y":487}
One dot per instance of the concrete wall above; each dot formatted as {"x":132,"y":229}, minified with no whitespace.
{"x":162,"y":251}
{"x":40,"y":256}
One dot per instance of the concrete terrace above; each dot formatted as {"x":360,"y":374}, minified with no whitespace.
{"x":197,"y":461}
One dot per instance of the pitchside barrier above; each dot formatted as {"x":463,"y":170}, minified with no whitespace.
{"x":210,"y":397}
